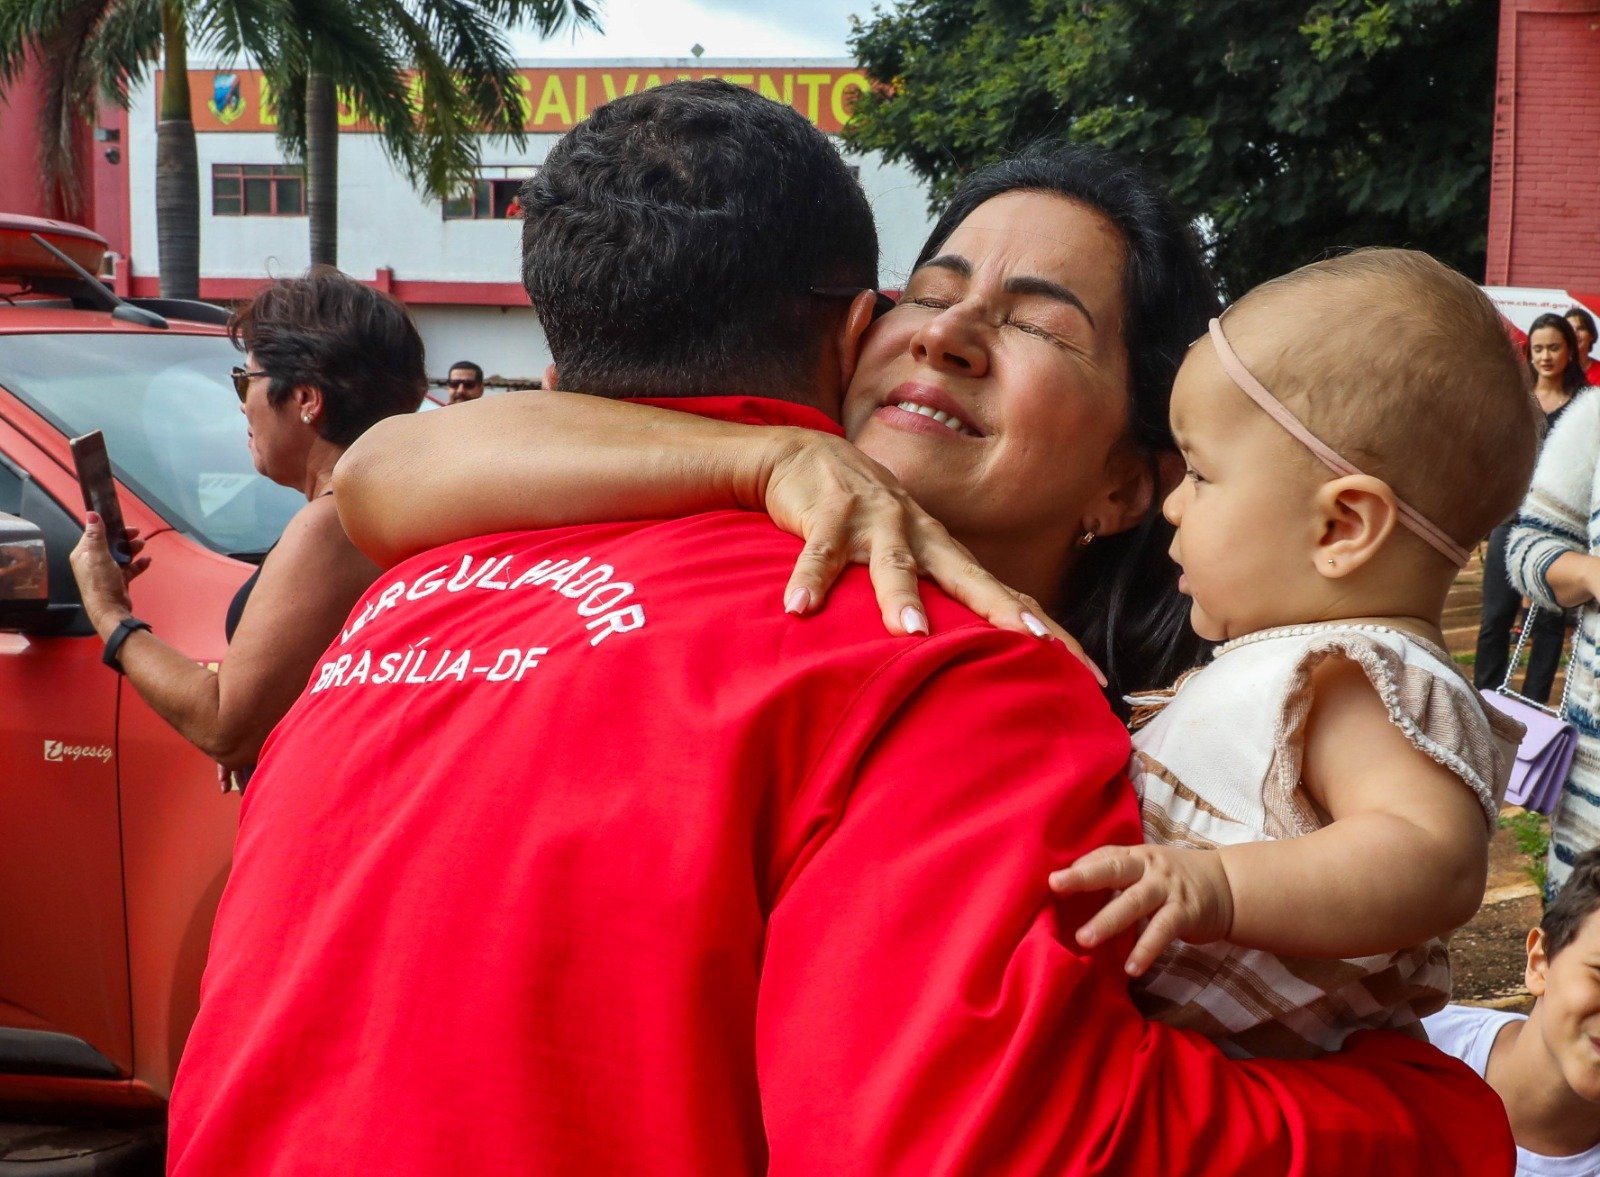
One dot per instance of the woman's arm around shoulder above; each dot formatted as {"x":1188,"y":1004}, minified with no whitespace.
{"x":542,"y":459}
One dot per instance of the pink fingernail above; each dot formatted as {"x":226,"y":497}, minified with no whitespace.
{"x":799,"y":601}
{"x":912,"y":620}
{"x":1036,"y":627}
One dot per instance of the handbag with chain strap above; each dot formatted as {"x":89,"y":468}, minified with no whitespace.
{"x":1545,"y":754}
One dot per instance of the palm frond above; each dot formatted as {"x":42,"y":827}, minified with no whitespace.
{"x":69,"y":83}
{"x":125,"y":47}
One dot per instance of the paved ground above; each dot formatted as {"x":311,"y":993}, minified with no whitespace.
{"x":1486,"y":956}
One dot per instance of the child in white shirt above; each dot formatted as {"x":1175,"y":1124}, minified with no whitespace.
{"x":1318,"y":799}
{"x":1546,"y":1066}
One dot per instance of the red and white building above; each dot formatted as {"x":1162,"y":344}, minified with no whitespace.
{"x":454,"y":263}
{"x":456,"y":266}
{"x":1544,"y":199}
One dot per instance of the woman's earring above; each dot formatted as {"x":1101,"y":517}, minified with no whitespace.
{"x":1086,"y":539}
{"x":306,"y":417}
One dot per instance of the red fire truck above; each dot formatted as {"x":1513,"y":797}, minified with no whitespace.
{"x":114,"y":836}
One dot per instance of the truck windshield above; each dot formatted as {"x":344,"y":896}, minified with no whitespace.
{"x":172,"y":423}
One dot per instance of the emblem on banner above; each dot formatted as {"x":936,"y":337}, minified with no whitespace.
{"x":227,"y":100}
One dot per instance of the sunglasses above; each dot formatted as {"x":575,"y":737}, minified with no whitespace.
{"x":882,"y":304}
{"x":241,"y":381}
{"x":462,"y":383}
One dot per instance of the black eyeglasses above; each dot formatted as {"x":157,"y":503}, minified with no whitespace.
{"x":241,"y":381}
{"x":882,"y":304}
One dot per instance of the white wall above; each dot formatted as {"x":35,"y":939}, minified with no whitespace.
{"x":503,"y":341}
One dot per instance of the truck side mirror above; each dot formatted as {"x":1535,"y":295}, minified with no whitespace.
{"x":24,"y":577}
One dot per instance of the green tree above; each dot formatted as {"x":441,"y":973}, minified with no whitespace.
{"x":93,"y":50}
{"x":1284,"y":129}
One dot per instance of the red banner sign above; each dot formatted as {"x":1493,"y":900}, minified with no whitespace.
{"x":554,"y":100}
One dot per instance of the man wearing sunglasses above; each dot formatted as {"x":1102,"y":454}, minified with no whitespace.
{"x":465,"y":381}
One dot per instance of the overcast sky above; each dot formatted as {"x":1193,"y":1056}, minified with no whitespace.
{"x":726,"y":28}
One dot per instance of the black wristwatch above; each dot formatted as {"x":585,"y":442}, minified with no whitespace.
{"x":119,"y":635}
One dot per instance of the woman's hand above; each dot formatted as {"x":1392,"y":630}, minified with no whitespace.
{"x":849,"y":509}
{"x":102,"y":582}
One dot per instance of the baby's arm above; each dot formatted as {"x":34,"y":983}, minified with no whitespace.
{"x":1402,"y":860}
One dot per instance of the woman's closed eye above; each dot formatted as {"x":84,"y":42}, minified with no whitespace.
{"x":1033,"y":329}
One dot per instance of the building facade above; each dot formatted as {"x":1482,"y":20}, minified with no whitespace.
{"x":454,"y":263}
{"x":1544,"y":199}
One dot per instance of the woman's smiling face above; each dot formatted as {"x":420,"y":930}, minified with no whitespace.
{"x":997,"y":390}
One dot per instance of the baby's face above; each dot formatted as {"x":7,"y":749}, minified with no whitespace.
{"x":1568,"y":989}
{"x":1244,"y":511}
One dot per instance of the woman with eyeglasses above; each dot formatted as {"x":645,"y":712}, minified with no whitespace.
{"x":325,"y":358}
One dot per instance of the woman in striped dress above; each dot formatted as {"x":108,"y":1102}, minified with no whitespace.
{"x":1551,"y":556}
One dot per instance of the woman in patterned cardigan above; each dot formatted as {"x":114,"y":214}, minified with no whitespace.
{"x":1552,"y":557}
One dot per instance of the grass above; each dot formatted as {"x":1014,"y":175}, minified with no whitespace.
{"x":1531,"y":833}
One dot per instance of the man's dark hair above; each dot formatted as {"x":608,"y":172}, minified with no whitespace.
{"x":468,"y":365}
{"x":1578,"y":899}
{"x":670,"y":242}
{"x":1122,"y":600}
{"x":331,"y":332}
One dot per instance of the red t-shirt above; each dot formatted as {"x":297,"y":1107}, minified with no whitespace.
{"x":579,"y":856}
{"x":1591,"y":375}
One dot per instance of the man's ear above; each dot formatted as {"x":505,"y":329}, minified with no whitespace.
{"x":1132,"y":481}
{"x":551,"y":381}
{"x":1536,"y":974}
{"x":1358,"y":515}
{"x":852,"y":333}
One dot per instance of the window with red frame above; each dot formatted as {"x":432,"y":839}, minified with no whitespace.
{"x":491,"y":195}
{"x":258,"y":190}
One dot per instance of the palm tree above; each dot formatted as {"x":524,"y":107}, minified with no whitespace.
{"x":431,"y":75}
{"x":89,"y":50}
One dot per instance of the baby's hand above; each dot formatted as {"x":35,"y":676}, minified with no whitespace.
{"x":1184,"y":894}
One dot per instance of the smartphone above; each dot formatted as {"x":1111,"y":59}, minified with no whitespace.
{"x":100,"y":492}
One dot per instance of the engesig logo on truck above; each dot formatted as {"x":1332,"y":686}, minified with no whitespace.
{"x":58,"y":752}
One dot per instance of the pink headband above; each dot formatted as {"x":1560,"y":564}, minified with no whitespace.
{"x":1410,"y":517}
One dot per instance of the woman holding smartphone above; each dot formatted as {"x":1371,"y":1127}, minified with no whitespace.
{"x":325,"y":358}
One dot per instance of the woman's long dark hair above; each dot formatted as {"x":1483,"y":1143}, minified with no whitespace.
{"x":1572,"y":376}
{"x":1122,"y":600}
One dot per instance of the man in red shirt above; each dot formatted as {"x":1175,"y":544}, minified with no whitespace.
{"x":579,"y":857}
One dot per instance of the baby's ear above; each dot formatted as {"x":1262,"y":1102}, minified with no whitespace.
{"x":1535,"y":976}
{"x":1359,"y":513}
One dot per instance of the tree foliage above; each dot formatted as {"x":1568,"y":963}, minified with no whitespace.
{"x":1286,"y":129}
{"x":430,"y":74}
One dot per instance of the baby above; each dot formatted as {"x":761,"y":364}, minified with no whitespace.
{"x":1318,"y":798}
